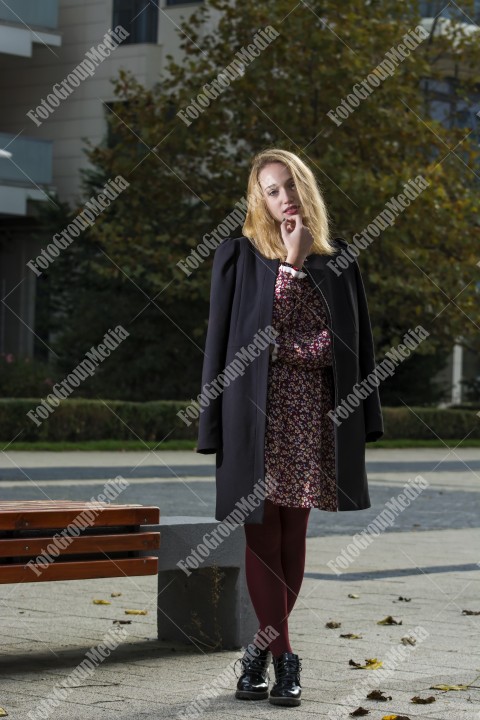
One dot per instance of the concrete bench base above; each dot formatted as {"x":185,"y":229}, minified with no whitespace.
{"x":210,"y":607}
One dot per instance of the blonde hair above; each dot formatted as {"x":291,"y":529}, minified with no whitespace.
{"x":263,"y":230}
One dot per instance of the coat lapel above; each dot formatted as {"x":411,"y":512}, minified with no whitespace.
{"x":268,"y":275}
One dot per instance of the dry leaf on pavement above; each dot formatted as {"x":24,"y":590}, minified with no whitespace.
{"x":389,"y":620}
{"x":351,"y":636}
{"x":378,"y":695}
{"x":423,"y":701}
{"x":370,"y":664}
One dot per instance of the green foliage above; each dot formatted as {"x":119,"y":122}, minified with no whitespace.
{"x":77,"y":420}
{"x":413,"y":384}
{"x":430,"y":423}
{"x":23,"y":377}
{"x":83,"y":301}
{"x":472,"y":389}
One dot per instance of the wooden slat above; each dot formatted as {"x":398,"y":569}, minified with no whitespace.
{"x":31,"y":547}
{"x":35,"y":517}
{"x":14,"y":504}
{"x":80,"y":570}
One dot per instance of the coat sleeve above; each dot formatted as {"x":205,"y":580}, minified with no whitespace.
{"x":371,"y":404}
{"x":222,"y":290}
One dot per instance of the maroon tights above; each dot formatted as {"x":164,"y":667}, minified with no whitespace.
{"x":274,"y":567}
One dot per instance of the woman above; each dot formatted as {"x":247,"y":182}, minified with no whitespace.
{"x":270,"y":408}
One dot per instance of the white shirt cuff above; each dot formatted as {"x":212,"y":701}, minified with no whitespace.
{"x":295,"y":273}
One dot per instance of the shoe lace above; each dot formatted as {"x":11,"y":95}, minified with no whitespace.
{"x":235,"y":667}
{"x":289,"y":667}
{"x":249,"y":664}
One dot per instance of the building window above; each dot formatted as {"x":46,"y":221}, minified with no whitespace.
{"x":460,"y":11}
{"x":448,"y":108}
{"x":139,"y":18}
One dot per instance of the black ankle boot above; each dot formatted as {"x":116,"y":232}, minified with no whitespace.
{"x":287,"y":689}
{"x":253,"y":682}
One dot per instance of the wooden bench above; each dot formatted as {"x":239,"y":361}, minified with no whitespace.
{"x":112,"y":545}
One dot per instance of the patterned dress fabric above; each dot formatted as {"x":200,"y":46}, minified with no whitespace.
{"x":299,"y":435}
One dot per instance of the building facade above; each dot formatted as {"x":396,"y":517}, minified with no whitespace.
{"x":41,"y":43}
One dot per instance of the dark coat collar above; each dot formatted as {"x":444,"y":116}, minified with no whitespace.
{"x":314,"y":261}
{"x":314,"y":264}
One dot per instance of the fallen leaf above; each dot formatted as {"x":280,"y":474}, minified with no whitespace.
{"x":378,"y":695}
{"x":449,"y":687}
{"x":389,"y":620}
{"x":395,"y":717}
{"x":333,"y":624}
{"x":470,"y":612}
{"x":3,"y":712}
{"x":407,"y":640}
{"x":423,"y":701}
{"x":115,"y":594}
{"x":101,"y":602}
{"x":122,"y":622}
{"x":405,"y":599}
{"x":370,"y":664}
{"x":359,"y":712}
{"x":351,"y":636}
{"x":352,"y":595}
{"x":136,"y":612}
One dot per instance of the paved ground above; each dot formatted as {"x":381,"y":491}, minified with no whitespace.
{"x":431,"y":555}
{"x":182,"y":483}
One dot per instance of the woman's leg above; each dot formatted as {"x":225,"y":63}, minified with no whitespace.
{"x":294,"y":522}
{"x":265,"y":577}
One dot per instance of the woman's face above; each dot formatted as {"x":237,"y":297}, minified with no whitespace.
{"x":279,"y":191}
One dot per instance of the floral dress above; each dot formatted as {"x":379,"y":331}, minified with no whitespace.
{"x":299,"y":434}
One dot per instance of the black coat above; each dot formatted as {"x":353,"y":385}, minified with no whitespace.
{"x":233,"y":424}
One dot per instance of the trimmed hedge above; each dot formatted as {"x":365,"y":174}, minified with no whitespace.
{"x":83,"y":419}
{"x":86,"y":419}
{"x":421,"y":423}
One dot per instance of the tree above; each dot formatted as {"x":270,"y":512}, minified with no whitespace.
{"x":186,"y":173}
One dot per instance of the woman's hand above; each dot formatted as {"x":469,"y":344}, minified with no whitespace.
{"x":297,"y":239}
